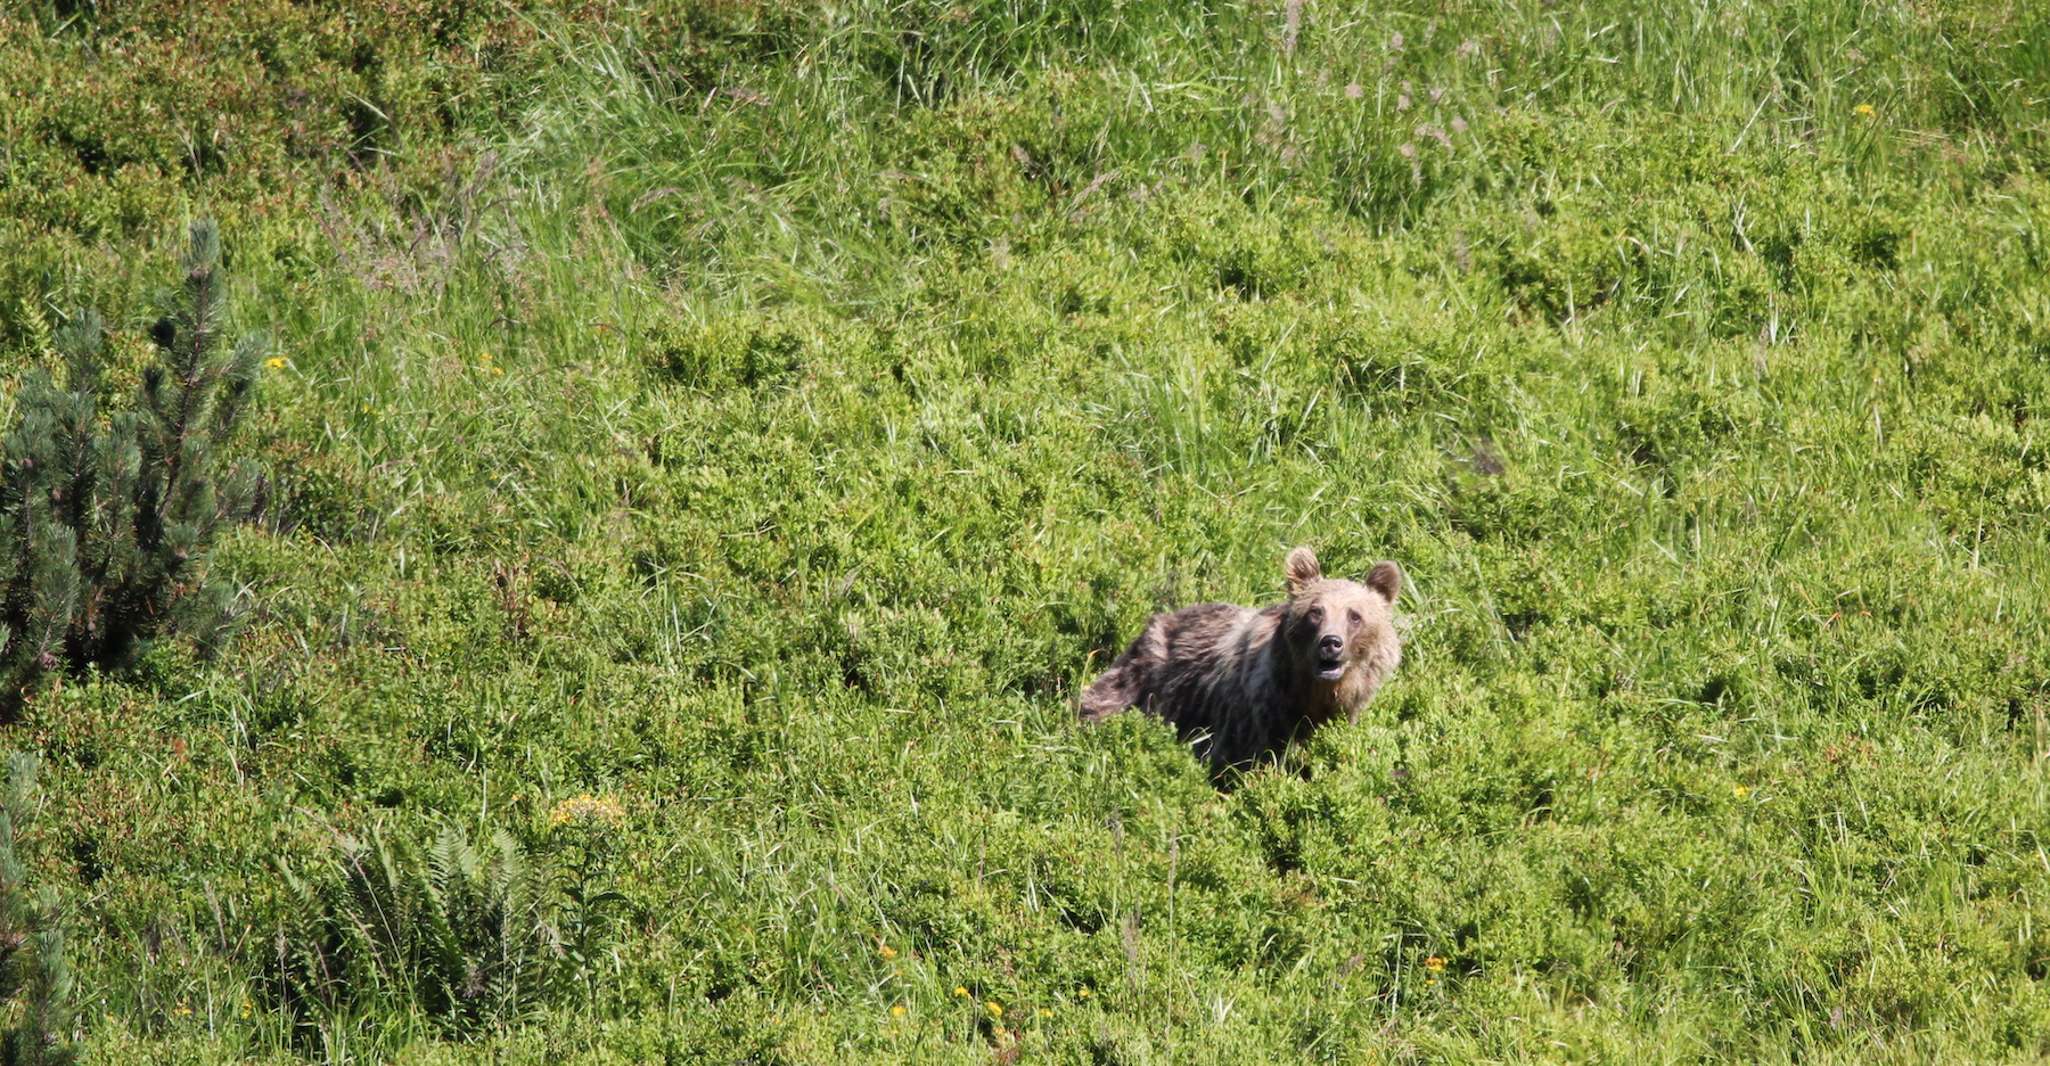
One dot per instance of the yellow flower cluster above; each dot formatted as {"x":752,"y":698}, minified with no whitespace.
{"x":587,"y":808}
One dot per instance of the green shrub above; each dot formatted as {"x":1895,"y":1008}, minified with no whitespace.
{"x":108,"y":518}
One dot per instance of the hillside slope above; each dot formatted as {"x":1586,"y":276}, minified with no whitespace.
{"x":713,"y":444}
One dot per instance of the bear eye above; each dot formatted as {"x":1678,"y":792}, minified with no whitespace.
{"x":1316,"y":615}
{"x":1354,"y":616}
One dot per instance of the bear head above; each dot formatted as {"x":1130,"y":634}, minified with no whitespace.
{"x":1341,"y":634}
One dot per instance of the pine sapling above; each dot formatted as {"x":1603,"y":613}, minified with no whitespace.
{"x":106,"y":519}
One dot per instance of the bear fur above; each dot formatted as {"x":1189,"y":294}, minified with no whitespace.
{"x":1240,"y":683}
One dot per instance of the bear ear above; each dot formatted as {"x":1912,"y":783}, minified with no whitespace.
{"x":1386,"y":579}
{"x":1301,"y":569}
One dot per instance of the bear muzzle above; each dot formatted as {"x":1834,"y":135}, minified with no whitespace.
{"x":1330,"y":657}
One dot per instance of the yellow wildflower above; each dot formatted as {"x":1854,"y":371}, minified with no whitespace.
{"x":1740,"y":791}
{"x":1083,"y":993}
{"x":182,"y":1011}
{"x":1865,"y":110}
{"x":275,"y":362}
{"x":996,"y":1010}
{"x":587,"y":808}
{"x":1046,"y":1012}
{"x":485,"y":359}
{"x":960,"y":991}
{"x":897,"y":1011}
{"x":1435,"y":964}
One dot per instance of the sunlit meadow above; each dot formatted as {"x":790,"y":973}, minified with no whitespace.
{"x":712,"y":442}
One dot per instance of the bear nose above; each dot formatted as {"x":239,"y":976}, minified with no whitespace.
{"x":1330,"y":644}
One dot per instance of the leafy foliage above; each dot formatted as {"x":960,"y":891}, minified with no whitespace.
{"x":454,"y":927}
{"x":472,"y":934}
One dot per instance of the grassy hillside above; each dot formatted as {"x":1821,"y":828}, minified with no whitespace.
{"x":714,"y":442}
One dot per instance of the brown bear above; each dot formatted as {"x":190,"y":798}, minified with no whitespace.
{"x":1240,"y":684}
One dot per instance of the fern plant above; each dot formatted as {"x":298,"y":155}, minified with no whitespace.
{"x":106,"y":518}
{"x":33,"y":963}
{"x":462,"y":931}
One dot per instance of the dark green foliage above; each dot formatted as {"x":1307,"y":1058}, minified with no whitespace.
{"x":33,"y":965}
{"x":107,"y":519}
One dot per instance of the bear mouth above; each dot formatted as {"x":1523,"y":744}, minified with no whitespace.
{"x":1330,"y":668}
